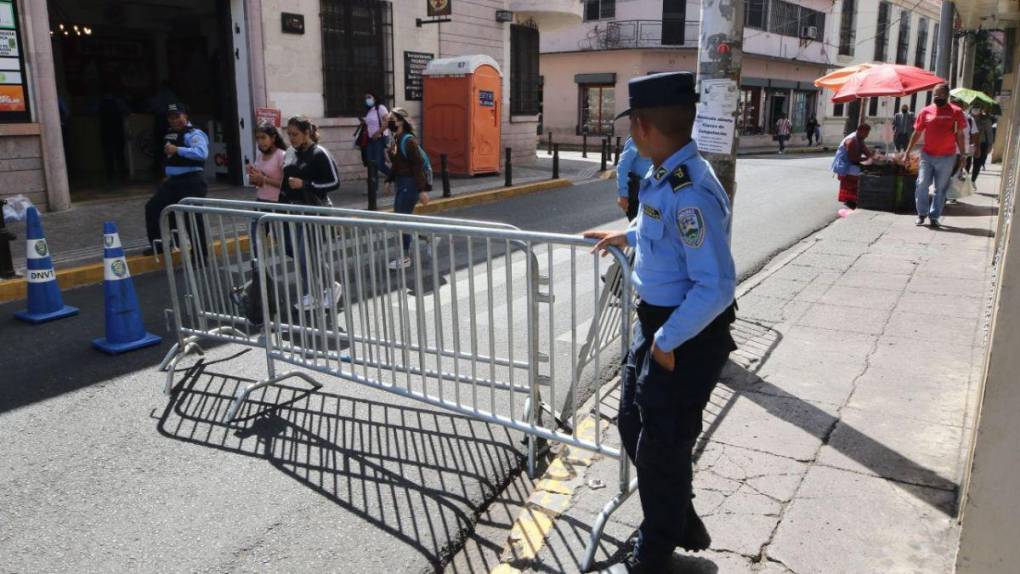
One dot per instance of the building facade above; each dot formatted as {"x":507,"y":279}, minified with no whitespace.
{"x":888,"y":31}
{"x":585,"y":67}
{"x":93,"y":76}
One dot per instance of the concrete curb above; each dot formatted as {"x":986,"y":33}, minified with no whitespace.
{"x":92,"y":273}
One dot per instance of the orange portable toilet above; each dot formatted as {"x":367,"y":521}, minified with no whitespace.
{"x":462,"y":113}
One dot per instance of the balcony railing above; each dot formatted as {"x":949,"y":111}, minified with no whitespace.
{"x":630,"y":34}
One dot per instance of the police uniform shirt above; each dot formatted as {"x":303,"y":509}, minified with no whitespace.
{"x":682,"y":241}
{"x":631,"y":161}
{"x":192,"y":151}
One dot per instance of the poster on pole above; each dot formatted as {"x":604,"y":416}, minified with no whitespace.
{"x":271,"y":116}
{"x":714,"y":127}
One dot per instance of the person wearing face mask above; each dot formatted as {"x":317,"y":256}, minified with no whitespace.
{"x":942,"y":125}
{"x":903,"y":128}
{"x":375,"y":126}
{"x":408,"y":172}
{"x":309,"y":174}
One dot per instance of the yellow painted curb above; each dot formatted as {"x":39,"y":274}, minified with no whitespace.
{"x":482,"y":197}
{"x":608,"y":174}
{"x":552,"y":496}
{"x":15,"y":289}
{"x":91,"y":274}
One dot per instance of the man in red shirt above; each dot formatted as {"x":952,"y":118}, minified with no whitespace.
{"x":943,"y":126}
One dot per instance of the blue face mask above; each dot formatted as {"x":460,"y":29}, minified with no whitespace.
{"x":369,"y":102}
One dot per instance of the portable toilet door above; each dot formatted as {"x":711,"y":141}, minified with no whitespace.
{"x":462,"y":115}
{"x":486,"y":120}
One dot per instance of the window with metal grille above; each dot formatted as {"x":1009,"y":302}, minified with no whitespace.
{"x":882,"y":37}
{"x":599,"y":9}
{"x":934,"y":46}
{"x":784,"y":18}
{"x":756,"y":14}
{"x":873,"y":107}
{"x":847,"y":28}
{"x":903,"y":44}
{"x":523,"y":70}
{"x":921,"y":53}
{"x":357,"y":53}
{"x":597,"y":109}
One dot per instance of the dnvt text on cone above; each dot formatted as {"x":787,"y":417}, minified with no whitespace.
{"x":44,"y":300}
{"x":124,"y":328}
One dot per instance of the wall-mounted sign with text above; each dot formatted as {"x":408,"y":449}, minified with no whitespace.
{"x":414,"y":65}
{"x":13,"y":90}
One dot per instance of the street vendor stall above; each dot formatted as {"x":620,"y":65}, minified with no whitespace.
{"x":886,"y":182}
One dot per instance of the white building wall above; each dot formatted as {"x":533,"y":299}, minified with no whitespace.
{"x":866,"y":25}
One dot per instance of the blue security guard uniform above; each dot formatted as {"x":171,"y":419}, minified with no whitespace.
{"x":632,"y":168}
{"x":184,"y":172}
{"x":685,"y":279}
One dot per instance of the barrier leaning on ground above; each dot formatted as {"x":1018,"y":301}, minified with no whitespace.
{"x":492,"y":323}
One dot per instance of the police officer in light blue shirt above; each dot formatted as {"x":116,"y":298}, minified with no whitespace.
{"x":685,"y":279}
{"x":186,"y":149}
{"x":632,"y":168}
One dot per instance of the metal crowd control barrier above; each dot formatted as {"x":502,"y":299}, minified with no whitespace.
{"x":487,"y":320}
{"x":459,"y":327}
{"x":219,"y":266}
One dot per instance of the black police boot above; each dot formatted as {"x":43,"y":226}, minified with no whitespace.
{"x":696,"y":537}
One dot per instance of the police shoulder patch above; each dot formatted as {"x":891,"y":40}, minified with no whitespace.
{"x":691,"y":224}
{"x":680,"y":179}
{"x":660,"y":172}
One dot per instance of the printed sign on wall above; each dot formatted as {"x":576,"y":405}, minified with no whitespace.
{"x":13,"y":91}
{"x":440,"y":8}
{"x":414,"y":65}
{"x":487,"y":99}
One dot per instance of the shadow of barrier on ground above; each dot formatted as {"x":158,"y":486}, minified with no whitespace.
{"x":382,"y":462}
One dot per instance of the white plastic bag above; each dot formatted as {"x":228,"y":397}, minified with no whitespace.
{"x":960,"y":187}
{"x":16,"y":208}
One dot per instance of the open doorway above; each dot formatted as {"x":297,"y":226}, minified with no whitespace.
{"x":118,"y":65}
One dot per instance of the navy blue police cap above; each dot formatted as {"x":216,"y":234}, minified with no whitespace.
{"x":176,"y":108}
{"x":661,"y":90}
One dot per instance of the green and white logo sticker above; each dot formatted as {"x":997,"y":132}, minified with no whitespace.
{"x":692,"y":226}
{"x":119,"y":268}
{"x":40,"y":248}
{"x":115,"y":269}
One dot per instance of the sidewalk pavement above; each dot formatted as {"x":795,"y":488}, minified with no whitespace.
{"x":75,"y":235}
{"x":838,"y":438}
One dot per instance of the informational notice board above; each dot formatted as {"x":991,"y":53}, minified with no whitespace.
{"x":414,"y":65}
{"x":13,"y":87}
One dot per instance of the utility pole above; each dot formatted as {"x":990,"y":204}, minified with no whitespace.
{"x":945,"y":40}
{"x":720,"y":54}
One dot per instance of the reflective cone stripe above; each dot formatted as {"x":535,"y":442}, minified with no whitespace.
{"x":45,"y":302}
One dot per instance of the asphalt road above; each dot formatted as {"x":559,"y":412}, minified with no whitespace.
{"x":104,"y":474}
{"x":780,"y":199}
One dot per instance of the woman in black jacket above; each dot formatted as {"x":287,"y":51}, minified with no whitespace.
{"x":309,"y":174}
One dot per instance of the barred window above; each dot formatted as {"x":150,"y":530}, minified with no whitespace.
{"x":357,"y":53}
{"x":882,"y":37}
{"x":903,"y":45}
{"x":920,"y":55}
{"x":790,"y":19}
{"x":847,"y":28}
{"x":599,"y":9}
{"x":934,"y":46}
{"x":756,"y":14}
{"x":524,"y":80}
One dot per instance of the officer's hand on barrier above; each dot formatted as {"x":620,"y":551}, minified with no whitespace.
{"x":623,"y":202}
{"x":665,"y":360}
{"x":607,"y":239}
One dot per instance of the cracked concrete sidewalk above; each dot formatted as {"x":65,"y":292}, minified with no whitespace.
{"x":838,"y":438}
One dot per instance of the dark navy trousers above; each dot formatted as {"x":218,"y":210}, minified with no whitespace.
{"x":660,"y":420}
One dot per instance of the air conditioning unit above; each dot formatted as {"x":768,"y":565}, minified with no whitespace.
{"x":809,"y":32}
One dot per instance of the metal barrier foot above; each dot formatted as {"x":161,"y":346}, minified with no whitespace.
{"x":190,"y":344}
{"x":600,"y":524}
{"x":244,"y":392}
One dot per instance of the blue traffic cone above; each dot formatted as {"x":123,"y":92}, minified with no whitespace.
{"x":44,"y":300}
{"x":124,"y":329}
